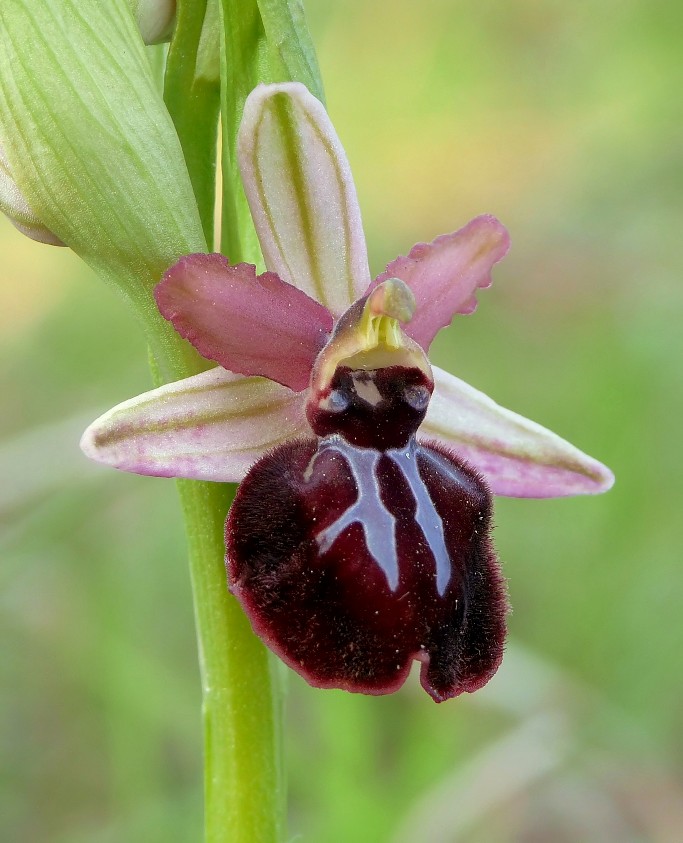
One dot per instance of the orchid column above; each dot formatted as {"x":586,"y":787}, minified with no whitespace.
{"x":93,"y":154}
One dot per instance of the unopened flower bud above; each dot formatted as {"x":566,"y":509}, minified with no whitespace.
{"x":156,"y":19}
{"x":16,"y":208}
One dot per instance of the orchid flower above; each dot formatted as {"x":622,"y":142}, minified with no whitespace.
{"x":359,"y":538}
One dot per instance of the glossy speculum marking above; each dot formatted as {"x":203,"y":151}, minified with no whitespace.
{"x":370,"y":511}
{"x":361,"y":550}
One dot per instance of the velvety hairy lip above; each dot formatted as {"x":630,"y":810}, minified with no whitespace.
{"x":332,"y":615}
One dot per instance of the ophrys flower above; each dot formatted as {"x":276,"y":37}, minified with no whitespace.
{"x":361,"y":541}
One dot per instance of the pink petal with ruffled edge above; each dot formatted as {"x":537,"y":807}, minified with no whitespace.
{"x":517,"y":457}
{"x":251,"y":325}
{"x":302,"y":196}
{"x":212,"y":426}
{"x":445,"y":274}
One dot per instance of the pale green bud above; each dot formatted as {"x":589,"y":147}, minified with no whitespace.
{"x":155,"y":18}
{"x":16,"y":208}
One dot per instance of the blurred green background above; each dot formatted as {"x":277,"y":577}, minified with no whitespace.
{"x":564,"y":120}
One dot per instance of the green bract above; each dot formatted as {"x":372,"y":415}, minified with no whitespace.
{"x":90,"y":143}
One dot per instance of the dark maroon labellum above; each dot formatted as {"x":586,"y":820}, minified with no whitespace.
{"x":359,"y":551}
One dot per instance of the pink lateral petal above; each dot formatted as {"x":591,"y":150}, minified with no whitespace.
{"x":517,"y":457}
{"x":445,"y":274}
{"x":251,"y":325}
{"x":212,"y":426}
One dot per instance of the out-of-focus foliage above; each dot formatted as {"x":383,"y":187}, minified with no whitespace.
{"x":565,"y":121}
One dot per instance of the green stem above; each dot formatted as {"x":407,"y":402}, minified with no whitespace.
{"x":259,"y":42}
{"x":192,"y":96}
{"x":243,"y":790}
{"x":243,"y":66}
{"x":244,"y":794}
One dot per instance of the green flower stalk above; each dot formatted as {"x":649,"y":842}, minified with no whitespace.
{"x":96,"y":158}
